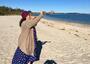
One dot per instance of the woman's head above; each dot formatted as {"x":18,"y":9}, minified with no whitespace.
{"x":25,"y":15}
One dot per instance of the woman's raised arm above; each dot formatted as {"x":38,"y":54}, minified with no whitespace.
{"x":33,"y":22}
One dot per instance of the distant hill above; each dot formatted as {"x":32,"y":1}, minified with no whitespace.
{"x":9,"y":11}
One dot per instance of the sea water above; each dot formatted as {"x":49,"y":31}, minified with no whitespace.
{"x":69,"y":17}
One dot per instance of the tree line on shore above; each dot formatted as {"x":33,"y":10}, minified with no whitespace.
{"x":9,"y":11}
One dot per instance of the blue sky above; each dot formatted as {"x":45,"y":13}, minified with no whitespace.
{"x":81,"y":6}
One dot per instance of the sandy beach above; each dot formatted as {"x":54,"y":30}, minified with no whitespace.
{"x":67,"y":43}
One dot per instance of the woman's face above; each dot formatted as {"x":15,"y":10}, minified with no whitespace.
{"x":28,"y":16}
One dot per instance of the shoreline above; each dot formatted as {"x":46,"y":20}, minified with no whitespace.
{"x":71,"y":23}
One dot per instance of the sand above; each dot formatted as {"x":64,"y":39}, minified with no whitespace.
{"x":67,"y":43}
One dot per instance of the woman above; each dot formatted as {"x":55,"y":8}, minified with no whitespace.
{"x":26,"y":43}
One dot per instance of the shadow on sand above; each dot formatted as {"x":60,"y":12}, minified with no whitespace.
{"x":39,"y":48}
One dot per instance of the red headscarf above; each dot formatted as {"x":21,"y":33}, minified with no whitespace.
{"x":25,"y":13}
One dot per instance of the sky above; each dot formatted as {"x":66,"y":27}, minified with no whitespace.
{"x":79,"y":6}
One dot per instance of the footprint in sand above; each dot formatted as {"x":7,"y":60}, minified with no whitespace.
{"x":48,"y":24}
{"x":11,"y":26}
{"x":76,"y":31}
{"x":62,"y":29}
{"x":88,"y":34}
{"x":85,"y":39}
{"x":77,"y":35}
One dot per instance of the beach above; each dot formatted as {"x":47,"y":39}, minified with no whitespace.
{"x":66,"y":43}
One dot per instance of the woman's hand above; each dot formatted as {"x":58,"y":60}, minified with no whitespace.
{"x":42,"y":12}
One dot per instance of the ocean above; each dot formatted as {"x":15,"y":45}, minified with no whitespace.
{"x":69,"y":17}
